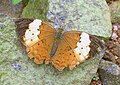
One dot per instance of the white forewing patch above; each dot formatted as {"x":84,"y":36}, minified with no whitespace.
{"x":83,"y":47}
{"x":35,"y":24}
{"x":31,"y":34}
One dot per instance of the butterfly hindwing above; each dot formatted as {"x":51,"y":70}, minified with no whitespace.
{"x":41,"y":50}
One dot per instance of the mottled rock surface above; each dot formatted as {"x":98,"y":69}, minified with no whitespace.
{"x":115,"y":11}
{"x":91,"y":16}
{"x":109,"y":73}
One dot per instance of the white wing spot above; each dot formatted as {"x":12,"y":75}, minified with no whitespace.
{"x":31,"y":34}
{"x":82,"y":50}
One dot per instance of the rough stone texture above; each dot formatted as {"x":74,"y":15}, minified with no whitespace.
{"x":17,"y":69}
{"x":115,"y":11}
{"x":9,"y":9}
{"x":109,"y":73}
{"x":91,"y":16}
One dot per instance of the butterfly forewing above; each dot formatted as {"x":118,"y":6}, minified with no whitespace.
{"x":72,"y":37}
{"x":46,"y":30}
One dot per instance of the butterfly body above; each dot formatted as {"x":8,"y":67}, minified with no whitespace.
{"x":63,"y":49}
{"x":57,"y":39}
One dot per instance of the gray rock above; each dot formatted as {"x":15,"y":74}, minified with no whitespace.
{"x":91,"y":16}
{"x":109,"y":73}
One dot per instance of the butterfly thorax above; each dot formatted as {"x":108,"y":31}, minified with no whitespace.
{"x":57,"y":39}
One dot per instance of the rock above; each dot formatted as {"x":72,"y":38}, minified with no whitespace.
{"x":17,"y":69}
{"x":109,"y":73}
{"x":91,"y":16}
{"x":7,"y":7}
{"x":115,"y":11}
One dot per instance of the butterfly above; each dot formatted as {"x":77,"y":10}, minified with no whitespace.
{"x":45,"y":44}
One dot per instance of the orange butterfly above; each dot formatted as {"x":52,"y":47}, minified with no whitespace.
{"x":46,"y":45}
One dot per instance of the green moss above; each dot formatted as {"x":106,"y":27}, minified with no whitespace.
{"x":106,"y":39}
{"x":75,"y":82}
{"x":36,"y":9}
{"x":2,"y":74}
{"x":2,"y":60}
